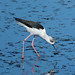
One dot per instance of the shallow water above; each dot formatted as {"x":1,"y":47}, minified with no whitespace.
{"x":58,"y":18}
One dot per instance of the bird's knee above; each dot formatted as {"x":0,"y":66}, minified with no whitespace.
{"x":23,"y":41}
{"x":32,"y":44}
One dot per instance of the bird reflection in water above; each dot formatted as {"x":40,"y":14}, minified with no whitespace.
{"x":51,"y":72}
{"x":23,"y":65}
{"x":32,"y":66}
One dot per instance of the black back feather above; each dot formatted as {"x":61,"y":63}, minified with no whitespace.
{"x":30,"y":24}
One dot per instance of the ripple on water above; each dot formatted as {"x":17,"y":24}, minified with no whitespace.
{"x":18,"y":65}
{"x":73,"y":20}
{"x":1,"y":54}
{"x":10,"y":44}
{"x":11,"y":62}
{"x":65,"y":39}
{"x":13,"y":52}
{"x":14,"y":0}
{"x":7,"y":27}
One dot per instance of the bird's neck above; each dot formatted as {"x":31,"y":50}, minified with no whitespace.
{"x":46,"y":37}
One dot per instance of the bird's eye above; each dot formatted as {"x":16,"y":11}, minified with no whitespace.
{"x":51,"y":40}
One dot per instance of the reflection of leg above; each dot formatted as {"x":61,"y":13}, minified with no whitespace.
{"x":33,"y":46}
{"x":23,"y":65}
{"x":34,"y":65}
{"x":23,"y":46}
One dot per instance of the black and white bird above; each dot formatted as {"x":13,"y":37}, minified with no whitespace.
{"x":34,"y":28}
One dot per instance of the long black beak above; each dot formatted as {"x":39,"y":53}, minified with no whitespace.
{"x":54,"y":46}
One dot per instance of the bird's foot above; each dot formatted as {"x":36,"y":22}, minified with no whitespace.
{"x":22,"y":57}
{"x":56,"y":53}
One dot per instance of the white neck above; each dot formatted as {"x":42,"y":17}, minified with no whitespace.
{"x":46,"y":37}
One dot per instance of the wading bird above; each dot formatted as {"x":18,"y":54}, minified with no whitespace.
{"x":34,"y":28}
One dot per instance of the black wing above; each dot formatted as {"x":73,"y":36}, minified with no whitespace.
{"x":30,"y":24}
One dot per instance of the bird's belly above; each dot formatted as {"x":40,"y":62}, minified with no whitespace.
{"x":35,"y":31}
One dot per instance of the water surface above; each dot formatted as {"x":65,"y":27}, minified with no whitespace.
{"x":58,"y":18}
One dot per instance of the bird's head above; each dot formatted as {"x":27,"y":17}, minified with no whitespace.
{"x":52,"y":41}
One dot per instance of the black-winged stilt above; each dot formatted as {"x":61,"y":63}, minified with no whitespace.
{"x":34,"y":28}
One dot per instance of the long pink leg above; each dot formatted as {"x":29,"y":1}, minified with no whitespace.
{"x":33,"y":46}
{"x":23,"y":46}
